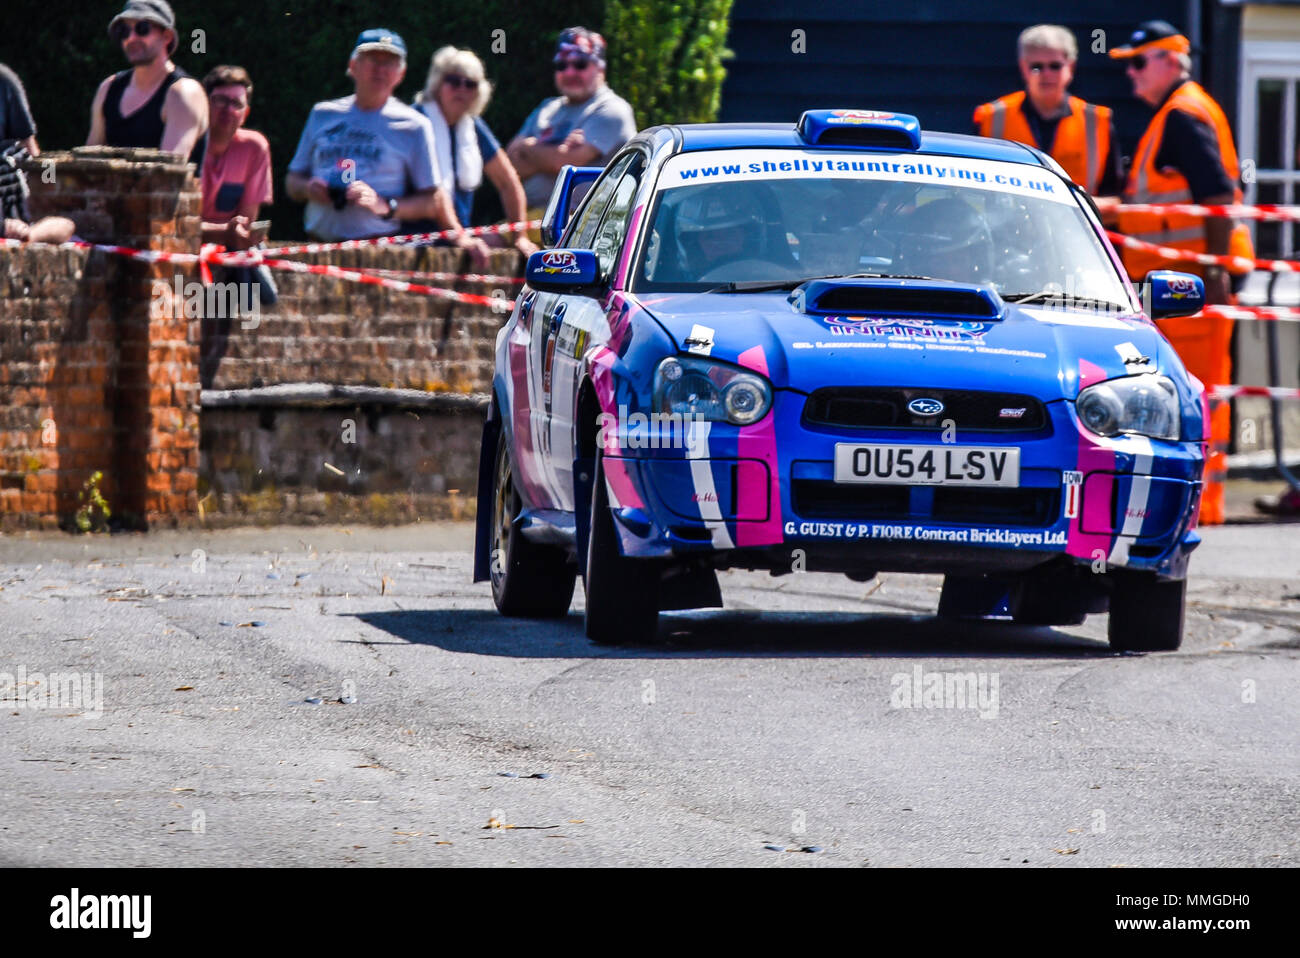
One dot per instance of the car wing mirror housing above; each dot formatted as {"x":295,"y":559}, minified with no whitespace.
{"x":1169,"y":293}
{"x":563,"y":270}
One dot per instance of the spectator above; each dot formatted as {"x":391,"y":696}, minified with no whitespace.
{"x":1078,"y":135}
{"x":455,"y":95}
{"x":16,"y":123}
{"x":236,"y":169}
{"x":154,"y":104}
{"x":367,"y":161}
{"x":235,"y":176}
{"x":583,"y":126}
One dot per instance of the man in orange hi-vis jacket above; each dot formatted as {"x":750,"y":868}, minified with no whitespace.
{"x":1186,"y":155}
{"x":1078,"y":135}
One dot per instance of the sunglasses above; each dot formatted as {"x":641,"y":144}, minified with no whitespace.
{"x":459,"y":82}
{"x":1139,"y":62}
{"x":1056,"y":66}
{"x":575,"y":63}
{"x":142,"y":29}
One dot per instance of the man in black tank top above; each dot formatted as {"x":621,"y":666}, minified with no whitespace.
{"x":154,"y":104}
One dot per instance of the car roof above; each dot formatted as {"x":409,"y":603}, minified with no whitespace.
{"x":727,"y":136}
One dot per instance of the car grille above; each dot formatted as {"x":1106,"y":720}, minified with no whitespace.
{"x":885,"y":407}
{"x":967,"y":505}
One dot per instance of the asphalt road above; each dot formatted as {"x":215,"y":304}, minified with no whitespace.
{"x":780,"y":721}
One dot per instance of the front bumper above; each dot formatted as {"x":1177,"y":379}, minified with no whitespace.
{"x":1128,"y":502}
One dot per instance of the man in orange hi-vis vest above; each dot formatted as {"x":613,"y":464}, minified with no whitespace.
{"x":1186,"y":155}
{"x":1078,"y":135}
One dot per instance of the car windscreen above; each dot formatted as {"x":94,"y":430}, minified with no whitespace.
{"x":757,"y":216}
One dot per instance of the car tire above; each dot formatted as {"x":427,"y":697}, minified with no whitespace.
{"x":622,"y":593}
{"x":1146,"y":615}
{"x":528,"y":580}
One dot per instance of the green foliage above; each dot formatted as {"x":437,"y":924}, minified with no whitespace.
{"x":93,"y":513}
{"x":665,"y":58}
{"x":297,"y":54}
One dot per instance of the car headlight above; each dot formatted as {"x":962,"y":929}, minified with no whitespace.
{"x":691,"y":386}
{"x":1145,"y":404}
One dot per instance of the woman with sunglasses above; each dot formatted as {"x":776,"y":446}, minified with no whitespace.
{"x":455,"y":94}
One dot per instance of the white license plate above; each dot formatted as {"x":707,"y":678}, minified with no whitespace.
{"x":928,"y":465}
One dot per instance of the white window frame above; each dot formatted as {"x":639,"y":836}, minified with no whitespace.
{"x":1271,"y":60}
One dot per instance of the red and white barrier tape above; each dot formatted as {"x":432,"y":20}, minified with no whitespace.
{"x":1262,"y":211}
{"x":1284,"y":314}
{"x":351,"y":275}
{"x":405,"y":240}
{"x":442,"y":277}
{"x":1205,"y":259}
{"x":1273,"y":392}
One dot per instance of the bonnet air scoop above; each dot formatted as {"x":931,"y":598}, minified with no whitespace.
{"x":934,"y":298}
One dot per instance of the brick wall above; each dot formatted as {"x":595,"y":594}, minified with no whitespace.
{"x":92,"y":380}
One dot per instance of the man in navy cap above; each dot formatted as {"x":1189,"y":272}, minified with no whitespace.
{"x":366,"y":162}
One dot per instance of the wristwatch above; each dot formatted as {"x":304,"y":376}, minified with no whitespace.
{"x":392,"y":209}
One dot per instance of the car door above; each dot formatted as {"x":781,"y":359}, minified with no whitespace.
{"x":548,"y":312}
{"x":581,"y":325}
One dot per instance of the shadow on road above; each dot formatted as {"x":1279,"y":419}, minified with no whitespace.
{"x":740,"y":634}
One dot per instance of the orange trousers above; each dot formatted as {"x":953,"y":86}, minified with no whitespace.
{"x":1204,"y":343}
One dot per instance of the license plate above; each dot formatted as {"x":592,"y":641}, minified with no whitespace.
{"x":928,"y":465}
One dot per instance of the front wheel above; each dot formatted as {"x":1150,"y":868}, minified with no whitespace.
{"x":1146,"y":615}
{"x":622,"y":593}
{"x":528,"y":580}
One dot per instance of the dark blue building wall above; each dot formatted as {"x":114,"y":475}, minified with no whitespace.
{"x":938,"y":59}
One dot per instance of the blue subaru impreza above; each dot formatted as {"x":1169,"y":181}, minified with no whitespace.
{"x":843,"y":345}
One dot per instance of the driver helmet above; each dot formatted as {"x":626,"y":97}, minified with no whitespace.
{"x":718,"y":223}
{"x":947,"y":239}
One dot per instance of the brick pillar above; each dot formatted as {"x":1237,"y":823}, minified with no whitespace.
{"x":143,"y":199}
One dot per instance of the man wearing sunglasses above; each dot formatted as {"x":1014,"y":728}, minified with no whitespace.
{"x":154,"y":104}
{"x":583,"y":126}
{"x":1078,"y":135}
{"x":1186,"y":155}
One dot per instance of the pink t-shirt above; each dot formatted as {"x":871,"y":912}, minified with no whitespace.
{"x":238,"y":176}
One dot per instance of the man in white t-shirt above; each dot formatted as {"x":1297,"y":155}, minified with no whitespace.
{"x":366,"y":162}
{"x":585,"y":126}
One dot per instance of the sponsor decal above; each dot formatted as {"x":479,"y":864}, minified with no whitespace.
{"x":1134,"y":361}
{"x":857,"y":117}
{"x":1012,"y":413}
{"x":560,"y":261}
{"x":922,"y":329}
{"x":997,"y":536}
{"x":1073,"y":482}
{"x":1179,"y":287}
{"x":722,"y":166}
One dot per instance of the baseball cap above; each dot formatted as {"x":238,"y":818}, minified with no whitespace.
{"x":583,"y":42}
{"x":155,"y":11}
{"x":1152,"y":35}
{"x":386,"y":41}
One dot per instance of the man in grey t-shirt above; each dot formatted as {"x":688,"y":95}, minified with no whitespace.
{"x":366,"y":162}
{"x":584,"y":126}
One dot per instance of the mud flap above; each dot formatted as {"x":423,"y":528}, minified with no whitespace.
{"x":487,"y":455}
{"x":689,"y":588}
{"x":976,"y":597}
{"x":583,"y":470}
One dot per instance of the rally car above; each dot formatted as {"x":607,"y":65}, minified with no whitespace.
{"x":841,"y":345}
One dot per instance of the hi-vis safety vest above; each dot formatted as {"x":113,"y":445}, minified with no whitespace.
{"x":1082,"y":137}
{"x":1147,"y":184}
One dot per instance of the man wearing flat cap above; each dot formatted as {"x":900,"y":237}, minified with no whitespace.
{"x":155,"y":103}
{"x":1186,"y":155}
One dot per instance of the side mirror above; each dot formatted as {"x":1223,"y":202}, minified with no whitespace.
{"x":571,"y":186}
{"x":562,"y":270}
{"x":1173,"y":294}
